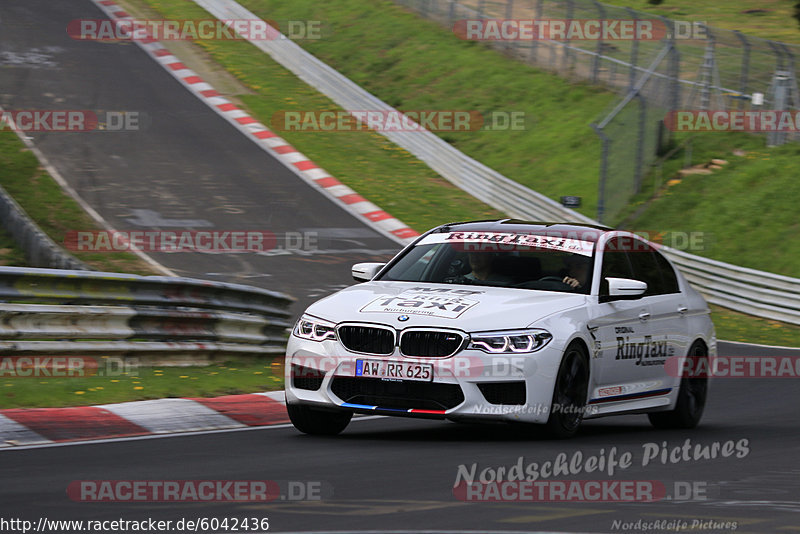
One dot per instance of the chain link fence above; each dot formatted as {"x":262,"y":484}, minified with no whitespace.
{"x":678,"y":66}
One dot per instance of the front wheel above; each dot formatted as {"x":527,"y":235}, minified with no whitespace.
{"x":318,"y":422}
{"x":570,"y":393}
{"x":691,"y":397}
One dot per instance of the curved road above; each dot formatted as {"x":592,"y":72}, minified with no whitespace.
{"x":187,"y":168}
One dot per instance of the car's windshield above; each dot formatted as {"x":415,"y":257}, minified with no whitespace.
{"x":512,"y":260}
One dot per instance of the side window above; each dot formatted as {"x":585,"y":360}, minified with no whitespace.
{"x":668,"y":276}
{"x":615,"y":263}
{"x":645,"y":267}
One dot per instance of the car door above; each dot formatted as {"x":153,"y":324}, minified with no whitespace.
{"x":669,"y":310}
{"x":620,"y":327}
{"x":667,"y":323}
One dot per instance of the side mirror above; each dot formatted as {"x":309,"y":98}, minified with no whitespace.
{"x":364,"y":272}
{"x":623,"y":289}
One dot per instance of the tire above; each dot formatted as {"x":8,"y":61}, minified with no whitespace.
{"x":570,"y":393}
{"x":691,"y":398}
{"x":318,"y":422}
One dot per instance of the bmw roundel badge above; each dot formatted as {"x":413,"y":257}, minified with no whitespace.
{"x":402,"y":318}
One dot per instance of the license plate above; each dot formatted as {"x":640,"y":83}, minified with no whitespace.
{"x":421,"y":372}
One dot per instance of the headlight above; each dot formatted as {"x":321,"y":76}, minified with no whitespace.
{"x":314,"y":329}
{"x":510,"y":342}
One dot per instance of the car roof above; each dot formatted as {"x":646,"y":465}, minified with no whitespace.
{"x":586,"y":232}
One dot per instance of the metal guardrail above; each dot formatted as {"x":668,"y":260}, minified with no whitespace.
{"x":156,"y":319}
{"x":754,"y":292}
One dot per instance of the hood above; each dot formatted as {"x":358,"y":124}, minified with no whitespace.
{"x":468,"y":308}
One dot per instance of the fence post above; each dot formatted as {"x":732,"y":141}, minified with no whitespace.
{"x":599,"y":52}
{"x":634,"y":53}
{"x":637,"y":177}
{"x":794,"y":92}
{"x":777,"y":90}
{"x":567,"y":47}
{"x":510,"y":15}
{"x":707,"y":71}
{"x":536,"y":37}
{"x":451,"y":14}
{"x":780,"y":99}
{"x":673,"y":68}
{"x":601,"y":190}
{"x":744,"y":73}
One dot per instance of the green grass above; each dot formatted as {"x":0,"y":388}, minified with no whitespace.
{"x":229,"y":378}
{"x":51,"y":208}
{"x":770,"y":19}
{"x":747,"y":212}
{"x":733,"y":326}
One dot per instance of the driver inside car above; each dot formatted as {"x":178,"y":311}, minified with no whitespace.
{"x":482,"y":265}
{"x":577,"y":273}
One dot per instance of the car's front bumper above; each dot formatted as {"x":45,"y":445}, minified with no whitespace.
{"x":323,"y":374}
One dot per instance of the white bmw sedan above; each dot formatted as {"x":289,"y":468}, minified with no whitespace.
{"x":508,"y":321}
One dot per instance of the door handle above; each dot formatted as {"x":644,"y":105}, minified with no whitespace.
{"x":644,"y":316}
{"x":682,"y":309}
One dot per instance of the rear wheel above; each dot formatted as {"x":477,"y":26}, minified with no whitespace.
{"x":318,"y":422}
{"x":691,"y":397}
{"x":570,"y":393}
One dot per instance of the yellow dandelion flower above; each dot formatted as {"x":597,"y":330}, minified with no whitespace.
{"x":138,"y":387}
{"x":79,"y":392}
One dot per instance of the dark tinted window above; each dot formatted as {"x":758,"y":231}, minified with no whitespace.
{"x":615,"y":263}
{"x":645,"y":267}
{"x":668,"y":276}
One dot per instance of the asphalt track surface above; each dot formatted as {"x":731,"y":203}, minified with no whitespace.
{"x":391,"y":474}
{"x":380,"y":474}
{"x":185,"y":169}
